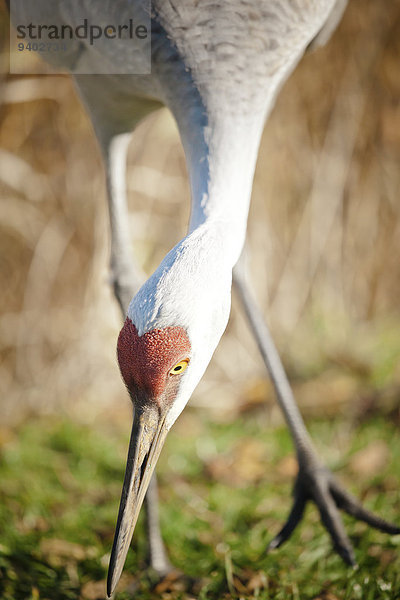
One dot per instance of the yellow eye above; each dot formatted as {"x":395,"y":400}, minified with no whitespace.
{"x":179,"y":367}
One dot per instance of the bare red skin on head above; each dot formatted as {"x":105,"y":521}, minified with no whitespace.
{"x":145,"y":361}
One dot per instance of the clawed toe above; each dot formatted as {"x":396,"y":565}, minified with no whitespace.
{"x":295,"y":516}
{"x":349,"y":504}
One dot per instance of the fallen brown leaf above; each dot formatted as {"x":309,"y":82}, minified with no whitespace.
{"x":257,"y":396}
{"x":239,"y":587}
{"x":258,"y":581}
{"x":288,"y":466}
{"x":371,"y":460}
{"x":60,"y":551}
{"x":245,"y":463}
{"x":6,"y":435}
{"x":325,"y":595}
{"x":174,"y":581}
{"x":250,"y":460}
{"x":94,"y":590}
{"x":327,"y":394}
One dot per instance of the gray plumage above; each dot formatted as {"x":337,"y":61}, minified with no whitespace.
{"x":218,"y":66}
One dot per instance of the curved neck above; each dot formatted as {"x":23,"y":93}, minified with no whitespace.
{"x":221,"y":168}
{"x":220,"y":86}
{"x":232,"y":150}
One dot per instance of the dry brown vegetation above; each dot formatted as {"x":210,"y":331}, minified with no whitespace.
{"x":324,"y":234}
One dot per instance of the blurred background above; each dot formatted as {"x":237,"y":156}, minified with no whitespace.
{"x":323,"y":236}
{"x":323,"y":254}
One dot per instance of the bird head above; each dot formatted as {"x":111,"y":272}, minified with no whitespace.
{"x":172,"y":328}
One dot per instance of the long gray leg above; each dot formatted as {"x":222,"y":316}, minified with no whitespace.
{"x":126,"y":276}
{"x":314,"y":481}
{"x":126,"y":280}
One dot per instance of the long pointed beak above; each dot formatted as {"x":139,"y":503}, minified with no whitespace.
{"x":147,"y":439}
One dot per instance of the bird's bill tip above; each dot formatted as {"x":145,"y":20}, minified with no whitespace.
{"x":147,"y":439}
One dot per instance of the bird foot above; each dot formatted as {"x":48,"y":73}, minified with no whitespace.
{"x":161,"y":569}
{"x":315,"y":482}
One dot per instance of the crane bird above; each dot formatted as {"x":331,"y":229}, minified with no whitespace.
{"x":217,"y":65}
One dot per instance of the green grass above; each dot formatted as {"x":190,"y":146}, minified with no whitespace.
{"x":224,"y":490}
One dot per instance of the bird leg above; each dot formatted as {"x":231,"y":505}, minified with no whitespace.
{"x":158,"y":557}
{"x":314,"y":481}
{"x":126,"y":279}
{"x":126,"y":276}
